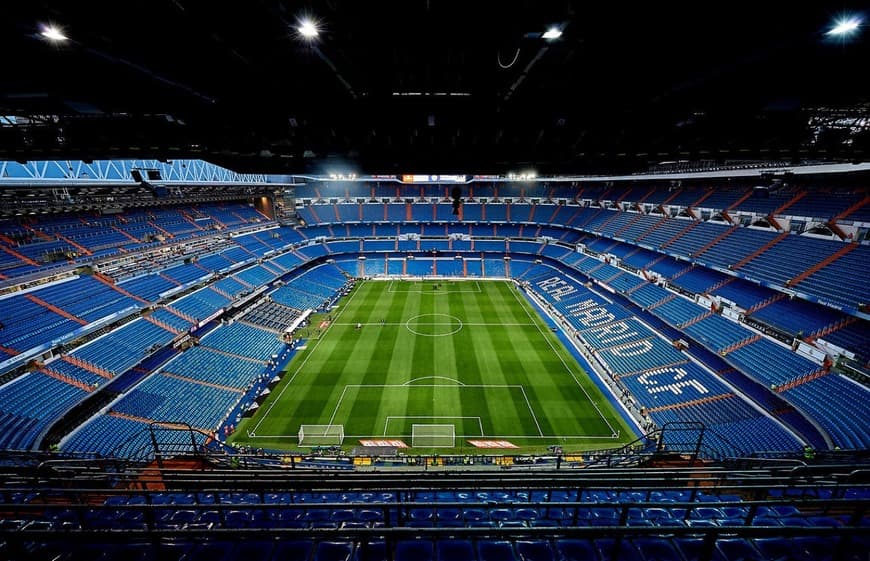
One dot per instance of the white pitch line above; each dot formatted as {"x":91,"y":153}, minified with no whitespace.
{"x":417,"y":287}
{"x":404,"y":385}
{"x":529,"y":405}
{"x":390,"y":417}
{"x":337,"y":405}
{"x":445,"y":323}
{"x":565,"y":364}
{"x":537,"y":325}
{"x":492,"y":436}
{"x":458,"y":382}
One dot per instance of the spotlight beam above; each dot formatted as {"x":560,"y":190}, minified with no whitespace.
{"x":53,"y":33}
{"x":335,"y":71}
{"x":845,"y":27}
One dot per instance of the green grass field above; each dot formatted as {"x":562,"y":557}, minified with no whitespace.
{"x":474,"y":354}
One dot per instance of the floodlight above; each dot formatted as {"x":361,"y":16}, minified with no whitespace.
{"x":845,"y":27}
{"x":552,"y":34}
{"x":308,"y":29}
{"x":52,"y":33}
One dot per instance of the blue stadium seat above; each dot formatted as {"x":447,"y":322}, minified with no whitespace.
{"x":418,"y":550}
{"x":333,"y":551}
{"x":738,"y":548}
{"x":622,"y":550}
{"x":454,"y":550}
{"x":488,"y":550}
{"x":537,"y":550}
{"x":373,"y":550}
{"x":293,"y":549}
{"x":657,"y":549}
{"x":575,"y":550}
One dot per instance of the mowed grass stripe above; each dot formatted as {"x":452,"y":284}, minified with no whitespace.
{"x":469,"y":360}
{"x":371,"y":356}
{"x":499,"y":364}
{"x":407,"y":350}
{"x":373,"y":362}
{"x":474,"y":354}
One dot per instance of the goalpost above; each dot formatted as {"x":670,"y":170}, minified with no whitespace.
{"x":433,"y":436}
{"x":321,"y":435}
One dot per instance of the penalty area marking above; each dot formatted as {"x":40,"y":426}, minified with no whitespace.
{"x":539,"y":436}
{"x":411,"y":382}
{"x":501,"y":436}
{"x":405,"y":385}
{"x":416,"y":287}
{"x":428,"y":418}
{"x":464,"y":324}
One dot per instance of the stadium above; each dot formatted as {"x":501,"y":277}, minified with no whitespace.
{"x":430,"y":281}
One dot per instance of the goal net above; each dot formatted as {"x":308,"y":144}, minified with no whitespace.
{"x":321,"y":435}
{"x":433,"y":436}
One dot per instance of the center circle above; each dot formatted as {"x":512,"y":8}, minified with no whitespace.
{"x":434,"y":325}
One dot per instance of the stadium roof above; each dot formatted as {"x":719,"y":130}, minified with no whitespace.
{"x":430,"y":86}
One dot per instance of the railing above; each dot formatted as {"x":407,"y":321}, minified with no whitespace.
{"x":678,"y":442}
{"x":844,"y":543}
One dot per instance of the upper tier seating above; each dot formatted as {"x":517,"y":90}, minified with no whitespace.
{"x":200,"y":304}
{"x":718,"y":333}
{"x":778,"y":264}
{"x":123,"y":348}
{"x":150,"y":287}
{"x":244,"y":340}
{"x":54,"y":240}
{"x":771,"y":363}
{"x":27,"y":324}
{"x":86,"y":298}
{"x":839,"y":282}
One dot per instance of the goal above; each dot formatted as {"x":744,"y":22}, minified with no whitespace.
{"x":321,"y":435}
{"x":433,"y":436}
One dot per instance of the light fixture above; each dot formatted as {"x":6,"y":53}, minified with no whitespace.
{"x":845,"y":27}
{"x":528,"y":175}
{"x":552,"y":34}
{"x":308,"y":29}
{"x":52,"y":33}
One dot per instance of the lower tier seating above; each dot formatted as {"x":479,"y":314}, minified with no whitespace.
{"x":555,"y":519}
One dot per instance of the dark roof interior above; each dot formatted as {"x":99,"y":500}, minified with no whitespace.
{"x":430,"y":85}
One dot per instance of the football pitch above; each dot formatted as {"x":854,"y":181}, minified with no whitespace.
{"x":473,"y":357}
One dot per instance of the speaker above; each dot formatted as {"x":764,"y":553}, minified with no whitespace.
{"x":154,"y":175}
{"x":137,"y":175}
